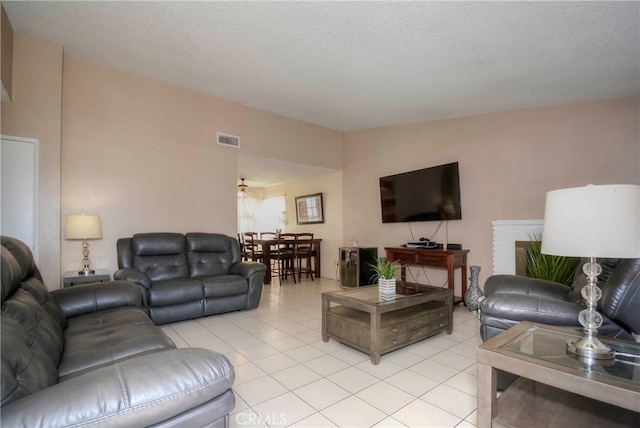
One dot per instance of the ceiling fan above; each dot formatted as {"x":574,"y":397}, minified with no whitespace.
{"x":242,"y":189}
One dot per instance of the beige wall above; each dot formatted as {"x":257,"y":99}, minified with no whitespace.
{"x":330,"y":185}
{"x":34,"y":112}
{"x":142,"y":155}
{"x":508,"y":161}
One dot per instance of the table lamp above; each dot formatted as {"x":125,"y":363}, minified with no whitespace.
{"x":592,"y":221}
{"x":82,"y":226}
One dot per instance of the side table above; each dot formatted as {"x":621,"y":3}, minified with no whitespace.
{"x":556,"y":389}
{"x":71,"y":278}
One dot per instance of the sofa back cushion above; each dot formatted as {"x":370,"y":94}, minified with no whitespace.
{"x":32,"y":326}
{"x":20,"y":271}
{"x":608,"y":265}
{"x":621,"y":295}
{"x":211,"y":254}
{"x":162,"y":256}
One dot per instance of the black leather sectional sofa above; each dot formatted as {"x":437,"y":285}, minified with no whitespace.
{"x":90,"y":356}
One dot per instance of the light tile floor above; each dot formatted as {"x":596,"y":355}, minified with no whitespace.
{"x":287,"y":376}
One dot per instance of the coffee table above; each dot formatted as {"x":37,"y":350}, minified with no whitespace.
{"x":556,"y":389}
{"x":358,"y":319}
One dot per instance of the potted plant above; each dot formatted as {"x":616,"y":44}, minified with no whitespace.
{"x":385,"y":272}
{"x":545,"y":266}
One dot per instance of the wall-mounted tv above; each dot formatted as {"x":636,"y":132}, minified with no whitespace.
{"x":429,"y":194}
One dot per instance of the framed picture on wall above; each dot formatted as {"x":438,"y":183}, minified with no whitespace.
{"x":309,"y":209}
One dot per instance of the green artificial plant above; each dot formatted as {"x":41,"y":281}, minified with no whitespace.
{"x":385,"y":269}
{"x":545,"y":266}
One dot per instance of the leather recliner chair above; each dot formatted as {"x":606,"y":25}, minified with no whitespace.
{"x":511,"y":299}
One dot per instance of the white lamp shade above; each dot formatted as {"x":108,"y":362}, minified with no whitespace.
{"x":83,"y":226}
{"x":593,"y":221}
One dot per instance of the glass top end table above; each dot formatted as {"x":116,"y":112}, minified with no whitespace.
{"x":550,"y":378}
{"x":550,"y":345}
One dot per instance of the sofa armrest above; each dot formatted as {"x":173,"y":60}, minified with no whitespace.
{"x":254,"y":272}
{"x":513,"y":284}
{"x":521,"y":307}
{"x":134,"y":276}
{"x":140,"y":391}
{"x":247,"y":269}
{"x":90,"y":298}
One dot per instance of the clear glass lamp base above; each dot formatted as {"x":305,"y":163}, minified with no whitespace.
{"x":590,"y":348}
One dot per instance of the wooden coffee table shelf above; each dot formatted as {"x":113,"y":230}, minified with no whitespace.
{"x":357,"y":319}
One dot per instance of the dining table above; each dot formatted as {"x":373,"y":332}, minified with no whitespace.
{"x":266,"y":245}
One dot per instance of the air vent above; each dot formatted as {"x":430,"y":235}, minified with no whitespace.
{"x":228,"y":140}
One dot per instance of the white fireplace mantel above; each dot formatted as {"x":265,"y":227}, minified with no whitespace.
{"x":505,"y":235}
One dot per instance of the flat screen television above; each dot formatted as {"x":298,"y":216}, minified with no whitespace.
{"x":429,"y":194}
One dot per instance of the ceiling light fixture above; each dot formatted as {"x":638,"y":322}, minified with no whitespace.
{"x":242,"y":189}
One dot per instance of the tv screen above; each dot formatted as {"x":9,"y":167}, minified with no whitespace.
{"x":429,"y":194}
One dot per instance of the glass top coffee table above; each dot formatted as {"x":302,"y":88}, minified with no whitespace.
{"x":556,"y":388}
{"x":359,"y":319}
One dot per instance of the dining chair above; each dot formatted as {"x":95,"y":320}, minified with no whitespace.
{"x":252,"y":248}
{"x":265,"y":236}
{"x":243,"y":248}
{"x":284,"y":256}
{"x":304,"y":253}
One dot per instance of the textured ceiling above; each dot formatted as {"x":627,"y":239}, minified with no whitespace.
{"x":357,"y":65}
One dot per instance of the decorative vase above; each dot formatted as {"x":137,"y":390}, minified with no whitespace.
{"x":473,"y":293}
{"x":386,"y":289}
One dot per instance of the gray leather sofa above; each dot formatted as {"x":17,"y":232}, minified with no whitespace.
{"x":189,"y":276}
{"x":90,"y":356}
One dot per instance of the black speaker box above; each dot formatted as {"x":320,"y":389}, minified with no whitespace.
{"x":454,"y":246}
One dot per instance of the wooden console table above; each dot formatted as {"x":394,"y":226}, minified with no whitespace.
{"x":448,"y":259}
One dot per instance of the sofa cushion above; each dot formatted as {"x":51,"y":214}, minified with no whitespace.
{"x":224,"y":285}
{"x":41,"y":295}
{"x":608,"y":265}
{"x":100,"y":338}
{"x":19,"y":271}
{"x":26,"y":368}
{"x":210,"y":254}
{"x":45,"y":337}
{"x":175,"y":291}
{"x":174,"y":388}
{"x":177,"y":312}
{"x":32,"y":325}
{"x":621,"y":295}
{"x":11,"y":274}
{"x":162,"y":256}
{"x":23,"y":256}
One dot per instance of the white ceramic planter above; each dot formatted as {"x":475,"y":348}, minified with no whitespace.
{"x":386,"y":289}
